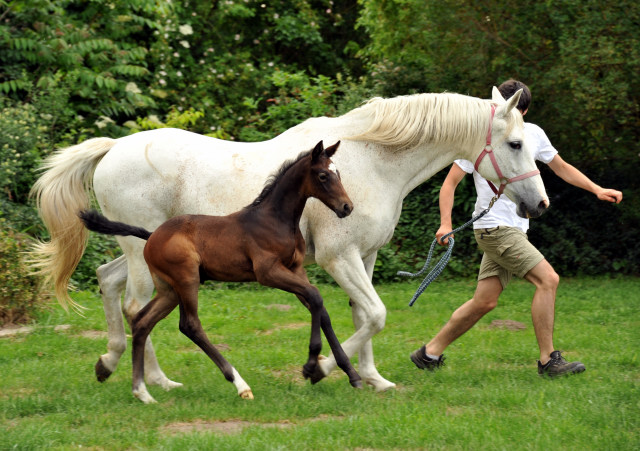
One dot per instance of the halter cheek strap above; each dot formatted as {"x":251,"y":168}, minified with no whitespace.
{"x":488,"y":150}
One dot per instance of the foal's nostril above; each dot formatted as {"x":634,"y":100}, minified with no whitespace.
{"x":347,"y":208}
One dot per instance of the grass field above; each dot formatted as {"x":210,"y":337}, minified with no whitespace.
{"x":488,"y":396}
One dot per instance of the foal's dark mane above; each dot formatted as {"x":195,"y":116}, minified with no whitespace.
{"x":274,"y":178}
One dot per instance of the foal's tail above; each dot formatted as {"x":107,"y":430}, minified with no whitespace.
{"x":96,"y":222}
{"x":60,"y":192}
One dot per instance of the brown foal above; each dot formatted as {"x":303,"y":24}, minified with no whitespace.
{"x":261,"y":242}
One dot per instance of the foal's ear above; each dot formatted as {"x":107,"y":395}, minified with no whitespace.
{"x":317,"y":151}
{"x":332,"y":149}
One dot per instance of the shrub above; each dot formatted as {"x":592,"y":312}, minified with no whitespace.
{"x":20,"y":292}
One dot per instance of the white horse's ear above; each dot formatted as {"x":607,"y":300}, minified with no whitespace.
{"x":496,"y":97}
{"x":505,"y":109}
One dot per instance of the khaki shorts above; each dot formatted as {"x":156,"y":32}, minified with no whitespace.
{"x":507,"y":251}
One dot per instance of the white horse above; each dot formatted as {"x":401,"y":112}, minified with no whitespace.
{"x":389,"y":147}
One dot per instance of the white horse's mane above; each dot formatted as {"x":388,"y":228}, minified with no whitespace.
{"x":408,"y":121}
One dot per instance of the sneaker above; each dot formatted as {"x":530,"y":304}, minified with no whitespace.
{"x":426,"y":361}
{"x":557,"y":366}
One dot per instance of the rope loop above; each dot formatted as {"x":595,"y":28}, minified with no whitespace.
{"x":444,"y":260}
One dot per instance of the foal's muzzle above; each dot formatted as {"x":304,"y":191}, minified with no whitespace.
{"x":345,"y":211}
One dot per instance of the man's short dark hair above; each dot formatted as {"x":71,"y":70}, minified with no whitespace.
{"x":509,"y":88}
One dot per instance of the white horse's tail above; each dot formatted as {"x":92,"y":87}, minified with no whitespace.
{"x":61,"y":192}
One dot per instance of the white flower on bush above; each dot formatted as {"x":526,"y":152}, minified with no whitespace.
{"x":186,"y":29}
{"x":132,"y":88}
{"x":154,"y":119}
{"x":103,"y":121}
{"x":185,"y":44}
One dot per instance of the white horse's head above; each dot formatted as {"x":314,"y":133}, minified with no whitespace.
{"x":515,"y":169}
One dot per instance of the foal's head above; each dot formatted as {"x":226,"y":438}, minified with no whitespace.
{"x":323,"y":181}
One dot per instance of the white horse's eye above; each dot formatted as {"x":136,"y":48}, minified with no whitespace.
{"x":516,"y":145}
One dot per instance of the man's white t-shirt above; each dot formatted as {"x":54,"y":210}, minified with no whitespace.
{"x":503,"y":212}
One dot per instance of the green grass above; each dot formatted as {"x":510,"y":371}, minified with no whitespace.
{"x":489,"y":395}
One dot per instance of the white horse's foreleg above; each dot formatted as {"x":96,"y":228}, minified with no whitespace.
{"x":369,"y":316}
{"x":138,"y":294}
{"x":112,"y":279}
{"x":366,"y":365}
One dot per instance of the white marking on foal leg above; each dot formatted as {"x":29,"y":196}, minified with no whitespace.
{"x":244,"y":391}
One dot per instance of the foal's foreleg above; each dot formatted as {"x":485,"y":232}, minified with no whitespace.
{"x":297,"y":282}
{"x":315,"y":340}
{"x":341,"y":357}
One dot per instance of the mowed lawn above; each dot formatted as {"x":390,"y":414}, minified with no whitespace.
{"x":488,"y":396}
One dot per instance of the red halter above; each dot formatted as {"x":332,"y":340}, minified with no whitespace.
{"x":488,"y":150}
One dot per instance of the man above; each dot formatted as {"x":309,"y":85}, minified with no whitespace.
{"x":501,"y":235}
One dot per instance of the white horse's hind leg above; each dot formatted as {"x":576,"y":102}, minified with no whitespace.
{"x":368,"y":311}
{"x":137,"y":295}
{"x":112,"y":279}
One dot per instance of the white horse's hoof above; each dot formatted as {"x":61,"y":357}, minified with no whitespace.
{"x":164,"y":382}
{"x":380,"y":384}
{"x":168,"y":384}
{"x":324,"y":365}
{"x":144,"y":396}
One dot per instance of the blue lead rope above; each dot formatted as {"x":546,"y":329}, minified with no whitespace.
{"x":444,"y":260}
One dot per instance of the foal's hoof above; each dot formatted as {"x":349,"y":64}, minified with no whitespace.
{"x":102,"y":372}
{"x":356,"y":383}
{"x":315,"y":375}
{"x":247,"y":394}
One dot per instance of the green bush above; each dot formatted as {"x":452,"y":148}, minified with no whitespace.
{"x":20,"y":293}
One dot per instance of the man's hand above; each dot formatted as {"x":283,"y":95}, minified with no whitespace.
{"x":610,"y":195}
{"x":443,"y":230}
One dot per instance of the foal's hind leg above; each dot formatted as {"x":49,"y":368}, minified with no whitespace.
{"x":165,"y":301}
{"x":138,"y":293}
{"x":191,"y":326}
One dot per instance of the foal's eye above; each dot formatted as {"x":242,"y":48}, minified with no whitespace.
{"x":515,"y":145}
{"x":323,"y":177}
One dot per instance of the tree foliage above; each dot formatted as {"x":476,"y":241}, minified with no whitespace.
{"x":248,"y":70}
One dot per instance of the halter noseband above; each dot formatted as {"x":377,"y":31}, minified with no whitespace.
{"x":488,"y":150}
